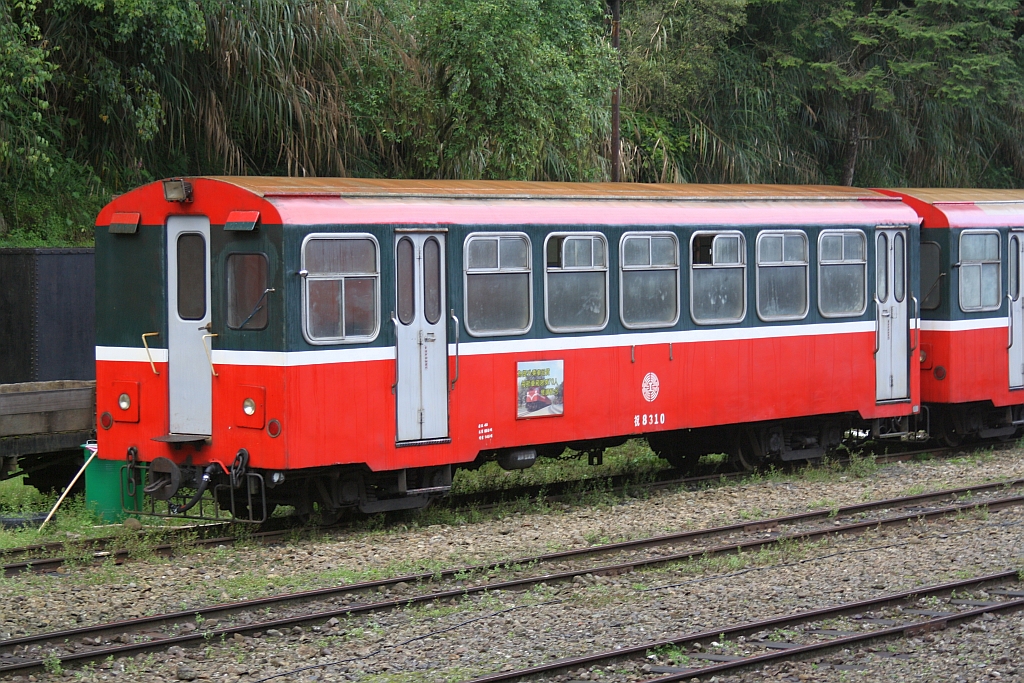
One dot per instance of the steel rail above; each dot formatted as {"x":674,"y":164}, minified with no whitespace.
{"x":554,"y":492}
{"x":609,"y":570}
{"x":99,"y":544}
{"x":748,"y":628}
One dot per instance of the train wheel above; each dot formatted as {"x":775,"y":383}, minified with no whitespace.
{"x":742,"y":457}
{"x":948,"y":434}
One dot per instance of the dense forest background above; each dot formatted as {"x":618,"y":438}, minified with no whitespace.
{"x":98,"y":96}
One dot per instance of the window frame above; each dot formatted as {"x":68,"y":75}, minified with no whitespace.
{"x":466,"y":272}
{"x":227,"y":292}
{"x":863,"y":262}
{"x":623,"y":268}
{"x":576,"y":269}
{"x":782,"y":264}
{"x":999,"y":272}
{"x":306,"y":277}
{"x":741,"y":265}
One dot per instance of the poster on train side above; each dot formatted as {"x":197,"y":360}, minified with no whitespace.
{"x":540,"y":389}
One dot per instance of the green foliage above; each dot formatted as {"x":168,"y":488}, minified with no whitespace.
{"x":522,"y":86}
{"x":97,"y":96}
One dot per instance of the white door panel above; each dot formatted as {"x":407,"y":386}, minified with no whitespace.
{"x":421,"y":336}
{"x":1016,"y":304}
{"x":188,"y":315}
{"x":892,"y":332}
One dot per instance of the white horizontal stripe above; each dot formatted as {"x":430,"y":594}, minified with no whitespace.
{"x":604,"y":341}
{"x":477,"y":348}
{"x":130,"y":354}
{"x":962,"y":325}
{"x":295,"y":358}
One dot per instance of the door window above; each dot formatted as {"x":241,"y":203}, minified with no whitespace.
{"x":432,"y":281}
{"x":882,"y":267}
{"x":1013,"y":264}
{"x":899,"y":260}
{"x":191,"y":276}
{"x":406,"y":281}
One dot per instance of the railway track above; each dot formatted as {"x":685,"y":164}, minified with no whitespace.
{"x":30,"y":558}
{"x":771,"y":640}
{"x":89,"y":643}
{"x":34,"y":557}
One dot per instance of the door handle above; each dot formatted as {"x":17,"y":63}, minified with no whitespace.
{"x":208,"y":356}
{"x":455,"y":318}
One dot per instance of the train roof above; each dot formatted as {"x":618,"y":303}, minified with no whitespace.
{"x":964,"y":207}
{"x":492,"y":189}
{"x":364,"y":201}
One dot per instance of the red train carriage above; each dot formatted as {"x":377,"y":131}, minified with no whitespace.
{"x":972,"y":328}
{"x":345,"y":342}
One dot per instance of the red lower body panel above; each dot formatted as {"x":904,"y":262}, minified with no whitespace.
{"x":967,"y":365}
{"x":344,"y":413}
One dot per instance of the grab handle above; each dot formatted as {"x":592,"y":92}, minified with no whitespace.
{"x":917,"y":323}
{"x":456,"y":319}
{"x":878,"y":323}
{"x":394,"y":320}
{"x":148,"y":354}
{"x":1009,"y":321}
{"x":208,"y":356}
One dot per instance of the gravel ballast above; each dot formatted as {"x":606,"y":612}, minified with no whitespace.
{"x":514,"y":630}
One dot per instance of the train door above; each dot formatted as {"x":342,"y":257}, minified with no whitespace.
{"x":1016,"y":313}
{"x":188,"y":325}
{"x":892,"y":331}
{"x":421,"y":336}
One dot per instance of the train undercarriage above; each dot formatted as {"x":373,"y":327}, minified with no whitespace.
{"x":323,"y":493}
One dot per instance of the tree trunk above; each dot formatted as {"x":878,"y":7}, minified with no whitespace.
{"x":852,"y":139}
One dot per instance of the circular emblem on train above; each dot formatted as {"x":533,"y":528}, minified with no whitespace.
{"x":650,"y":386}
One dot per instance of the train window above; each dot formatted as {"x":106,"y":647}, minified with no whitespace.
{"x":718,"y":277}
{"x":499,"y":292}
{"x":341,"y":289}
{"x":930,"y":275}
{"x":979,"y":270}
{"x":649,"y":279}
{"x":247,"y":291}
{"x":432,"y":280}
{"x":576,"y":282}
{"x":191,"y":276}
{"x":782,"y":275}
{"x":842,"y":273}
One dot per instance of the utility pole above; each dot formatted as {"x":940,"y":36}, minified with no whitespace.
{"x":616,"y":144}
